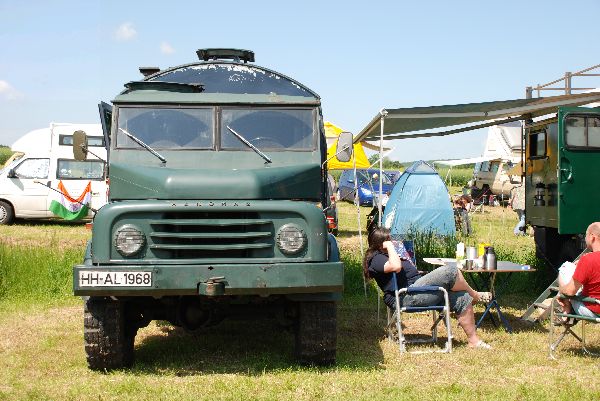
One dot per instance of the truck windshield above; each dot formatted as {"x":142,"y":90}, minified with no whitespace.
{"x":166,"y":128}
{"x":269,"y":129}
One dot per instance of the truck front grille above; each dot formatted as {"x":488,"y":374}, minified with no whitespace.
{"x":206,"y":235}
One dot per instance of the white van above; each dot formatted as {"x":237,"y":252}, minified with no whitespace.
{"x":45,"y":158}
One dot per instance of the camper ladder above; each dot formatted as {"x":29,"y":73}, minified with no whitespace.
{"x":542,"y":304}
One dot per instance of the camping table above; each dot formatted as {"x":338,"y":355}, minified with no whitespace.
{"x":486,"y":280}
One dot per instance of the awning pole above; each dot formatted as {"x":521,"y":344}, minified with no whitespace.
{"x":379,"y":206}
{"x":357,"y":203}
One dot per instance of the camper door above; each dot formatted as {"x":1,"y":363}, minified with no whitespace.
{"x":26,"y":187}
{"x":579,"y":154}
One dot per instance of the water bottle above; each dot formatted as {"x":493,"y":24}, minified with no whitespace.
{"x":490,"y":258}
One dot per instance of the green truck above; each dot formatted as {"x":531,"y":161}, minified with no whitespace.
{"x":562,"y":195}
{"x":218,"y":194}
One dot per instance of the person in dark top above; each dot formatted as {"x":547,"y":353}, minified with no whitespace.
{"x":381,"y":260}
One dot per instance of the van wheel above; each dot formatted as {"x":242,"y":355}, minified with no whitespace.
{"x":7,"y":214}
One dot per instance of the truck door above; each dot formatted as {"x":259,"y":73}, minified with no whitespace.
{"x":26,"y":187}
{"x":578,"y":157}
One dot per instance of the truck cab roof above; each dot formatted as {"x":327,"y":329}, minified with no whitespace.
{"x":218,"y":81}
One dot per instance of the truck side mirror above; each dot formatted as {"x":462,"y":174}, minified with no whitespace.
{"x":80,"y":145}
{"x":344,"y":147}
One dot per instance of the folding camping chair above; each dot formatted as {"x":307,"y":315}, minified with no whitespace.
{"x":440,"y":313}
{"x":566,"y":321}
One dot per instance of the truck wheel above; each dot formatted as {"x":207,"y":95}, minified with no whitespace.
{"x":316,"y":333}
{"x":108,"y":340}
{"x":7,"y":214}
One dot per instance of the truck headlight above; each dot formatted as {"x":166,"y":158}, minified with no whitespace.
{"x":129,"y":240}
{"x":290,"y":239}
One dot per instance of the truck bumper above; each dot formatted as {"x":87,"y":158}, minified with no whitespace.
{"x":208,"y":280}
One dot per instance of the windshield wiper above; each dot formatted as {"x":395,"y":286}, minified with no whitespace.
{"x":247,"y":143}
{"x":143,"y":145}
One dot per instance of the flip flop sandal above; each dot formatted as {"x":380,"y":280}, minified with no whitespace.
{"x":481,"y":345}
{"x":485,"y":297}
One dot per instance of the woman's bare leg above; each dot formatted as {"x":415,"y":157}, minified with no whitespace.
{"x":466,"y":320}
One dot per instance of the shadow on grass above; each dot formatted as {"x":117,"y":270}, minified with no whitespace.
{"x":254,"y":347}
{"x":49,"y":222}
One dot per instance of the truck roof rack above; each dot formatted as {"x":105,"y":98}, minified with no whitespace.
{"x":162,"y":85}
{"x":147,"y":71}
{"x":229,"y":54}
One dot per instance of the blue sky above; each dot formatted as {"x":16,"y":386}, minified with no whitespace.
{"x":58,"y":59}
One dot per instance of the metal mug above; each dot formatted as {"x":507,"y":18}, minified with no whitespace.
{"x":471,"y":252}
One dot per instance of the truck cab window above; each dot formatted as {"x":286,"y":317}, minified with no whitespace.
{"x":166,"y":128}
{"x":537,"y":144}
{"x":582,"y":132}
{"x":269,"y":129}
{"x":33,"y":168}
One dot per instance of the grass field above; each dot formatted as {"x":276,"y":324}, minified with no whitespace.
{"x":42,"y":355}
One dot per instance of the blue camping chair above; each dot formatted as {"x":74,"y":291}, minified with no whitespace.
{"x":440,"y":313}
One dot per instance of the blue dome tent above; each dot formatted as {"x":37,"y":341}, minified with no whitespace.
{"x":419,"y":202}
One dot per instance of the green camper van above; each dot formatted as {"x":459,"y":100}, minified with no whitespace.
{"x":562,"y":195}
{"x":217,"y":203}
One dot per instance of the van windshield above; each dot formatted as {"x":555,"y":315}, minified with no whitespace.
{"x":365,"y":177}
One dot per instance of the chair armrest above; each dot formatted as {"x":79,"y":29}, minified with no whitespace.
{"x":427,"y":288}
{"x":580,"y":298}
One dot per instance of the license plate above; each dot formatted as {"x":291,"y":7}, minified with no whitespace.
{"x":115,"y":279}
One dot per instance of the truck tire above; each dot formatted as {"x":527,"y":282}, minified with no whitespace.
{"x":108,"y":339}
{"x":7,"y":214}
{"x":316,"y":333}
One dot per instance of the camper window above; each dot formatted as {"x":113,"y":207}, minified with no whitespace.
{"x":80,"y":170}
{"x":485,"y":166}
{"x":582,"y":132}
{"x":92,"y":141}
{"x":537,"y":144}
{"x":33,"y":168}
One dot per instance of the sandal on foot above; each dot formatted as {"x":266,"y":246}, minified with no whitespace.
{"x":481,"y":345}
{"x":484,"y":297}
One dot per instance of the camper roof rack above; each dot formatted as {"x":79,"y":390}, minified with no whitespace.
{"x":230,"y":54}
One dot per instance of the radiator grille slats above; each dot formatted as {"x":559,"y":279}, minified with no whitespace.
{"x":209,"y":235}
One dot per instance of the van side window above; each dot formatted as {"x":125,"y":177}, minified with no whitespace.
{"x":485,"y":166}
{"x":582,"y":132}
{"x":537,"y":144}
{"x":33,"y":168}
{"x":79,"y":170}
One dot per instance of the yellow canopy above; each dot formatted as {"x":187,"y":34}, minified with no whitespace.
{"x":332,"y":132}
